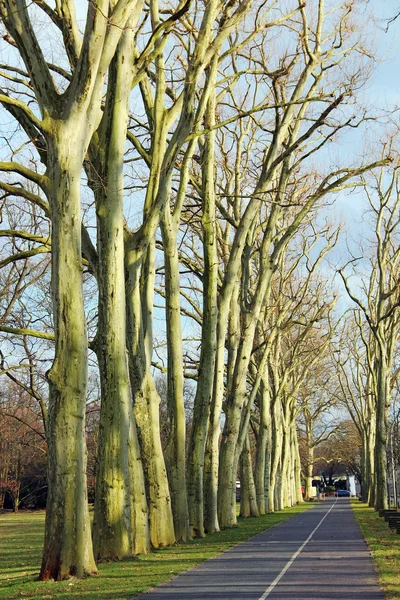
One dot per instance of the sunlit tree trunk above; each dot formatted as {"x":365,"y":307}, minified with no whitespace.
{"x":176,"y":450}
{"x":248,"y":498}
{"x":310,"y":456}
{"x":364,"y":468}
{"x":285,"y":465}
{"x":68,"y":546}
{"x":229,"y":455}
{"x":236,"y":398}
{"x":309,"y":472}
{"x":228,"y":315}
{"x":370,"y":459}
{"x":147,"y":402}
{"x":140,"y":265}
{"x":263,"y":447}
{"x":120,"y":526}
{"x":69,"y":118}
{"x":382,"y":412}
{"x":164,"y":154}
{"x":297,"y":469}
{"x":201,"y":409}
{"x":276,"y":447}
{"x":211,"y":524}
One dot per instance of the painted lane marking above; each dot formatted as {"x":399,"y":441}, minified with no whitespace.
{"x":295,"y":555}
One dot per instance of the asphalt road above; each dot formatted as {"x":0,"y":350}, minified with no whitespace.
{"x":318,"y":554}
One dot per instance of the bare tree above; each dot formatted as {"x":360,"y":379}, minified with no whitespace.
{"x":61,"y":128}
{"x":354,"y":363}
{"x":379,"y":304}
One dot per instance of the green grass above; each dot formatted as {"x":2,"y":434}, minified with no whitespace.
{"x":384,"y":544}
{"x":21,"y":538}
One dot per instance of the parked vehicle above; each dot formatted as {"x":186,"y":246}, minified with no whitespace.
{"x":343,"y":493}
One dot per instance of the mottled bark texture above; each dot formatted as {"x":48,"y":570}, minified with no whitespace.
{"x":120,"y":526}
{"x":68,"y":546}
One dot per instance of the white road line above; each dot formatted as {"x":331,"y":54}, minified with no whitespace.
{"x":295,"y":555}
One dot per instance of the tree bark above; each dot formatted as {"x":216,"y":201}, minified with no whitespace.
{"x":201,"y":409}
{"x":236,"y":397}
{"x":176,"y":449}
{"x":309,"y":472}
{"x":68,"y":545}
{"x":383,"y":402}
{"x":264,"y":433}
{"x":120,"y":526}
{"x":146,"y":408}
{"x":276,"y":447}
{"x":248,"y":497}
{"x":299,"y":495}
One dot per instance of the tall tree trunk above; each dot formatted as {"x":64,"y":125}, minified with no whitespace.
{"x":146,"y":407}
{"x":393,"y":466}
{"x":285,"y":495}
{"x":298,"y":494}
{"x":309,"y":472}
{"x":310,"y":454}
{"x":176,"y":449}
{"x":268,"y":460}
{"x":291,"y":473}
{"x":278,"y":484}
{"x":264,"y":433}
{"x":211,"y":524}
{"x":231,"y":446}
{"x":276,"y":447}
{"x":15,"y":500}
{"x":228,"y":468}
{"x":365,"y":470}
{"x":68,"y":545}
{"x":17,"y":489}
{"x":371,"y":459}
{"x":227,"y":309}
{"x":248,"y":498}
{"x":120,"y":526}
{"x":201,"y":410}
{"x":383,"y":395}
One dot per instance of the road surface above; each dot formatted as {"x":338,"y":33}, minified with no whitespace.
{"x":318,"y":554}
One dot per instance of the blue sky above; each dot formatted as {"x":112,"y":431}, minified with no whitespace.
{"x":381,"y":94}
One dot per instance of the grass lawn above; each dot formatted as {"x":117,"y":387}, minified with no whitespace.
{"x":21,"y":538}
{"x":384,"y":544}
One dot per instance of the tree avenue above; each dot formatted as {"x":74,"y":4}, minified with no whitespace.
{"x":166,"y":206}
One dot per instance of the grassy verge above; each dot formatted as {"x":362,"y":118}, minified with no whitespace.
{"x":21,"y":538}
{"x":384,"y":544}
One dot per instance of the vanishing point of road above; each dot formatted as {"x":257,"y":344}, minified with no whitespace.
{"x":319,"y":554}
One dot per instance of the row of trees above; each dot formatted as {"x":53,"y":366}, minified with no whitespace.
{"x":367,"y":359}
{"x":175,"y":156}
